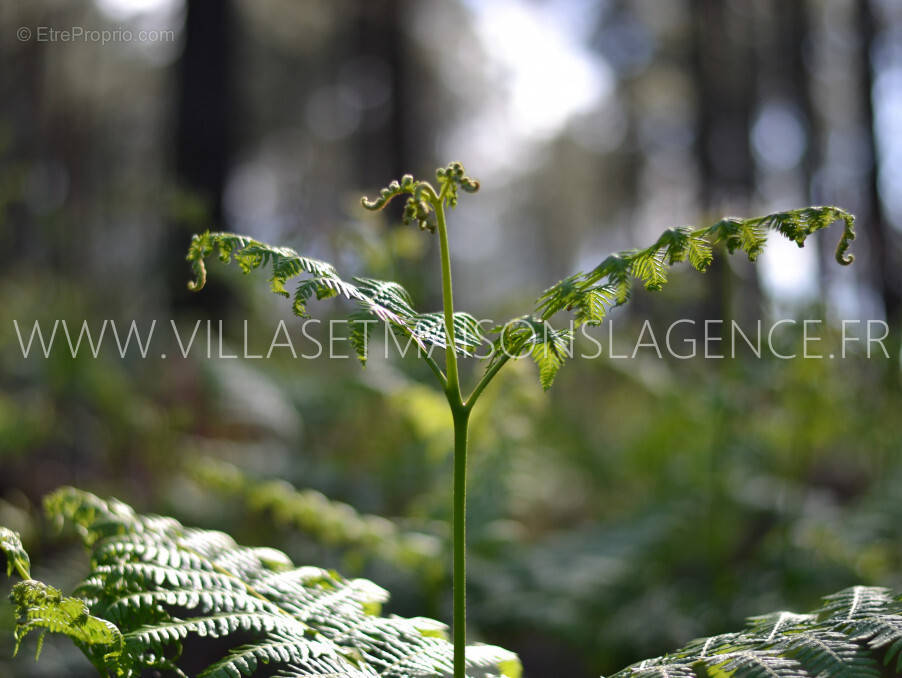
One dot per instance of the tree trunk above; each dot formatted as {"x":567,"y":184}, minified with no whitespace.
{"x":724,"y":73}
{"x":202,"y":139}
{"x":882,"y":244}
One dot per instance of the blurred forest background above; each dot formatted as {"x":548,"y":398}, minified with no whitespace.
{"x":638,"y":504}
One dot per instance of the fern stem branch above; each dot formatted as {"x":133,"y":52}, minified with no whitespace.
{"x":461,"y":416}
{"x":485,"y":381}
{"x":452,"y":387}
{"x":436,"y":370}
{"x":459,"y":625}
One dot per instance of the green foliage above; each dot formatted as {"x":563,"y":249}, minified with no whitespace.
{"x":156,"y":585}
{"x":695,"y":495}
{"x":527,"y":335}
{"x":854,"y":634}
{"x":16,"y":555}
{"x":42,"y":607}
{"x":378,"y":300}
{"x":590,"y":296}
{"x":329,"y":522}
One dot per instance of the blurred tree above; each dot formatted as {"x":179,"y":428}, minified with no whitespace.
{"x":380,"y":53}
{"x":885,"y":258}
{"x":792,"y":21}
{"x":724,"y":70}
{"x":202,"y":135}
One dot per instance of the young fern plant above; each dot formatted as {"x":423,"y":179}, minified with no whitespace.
{"x":589,"y":296}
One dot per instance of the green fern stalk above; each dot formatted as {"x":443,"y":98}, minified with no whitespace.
{"x":461,"y":416}
{"x":588,"y":295}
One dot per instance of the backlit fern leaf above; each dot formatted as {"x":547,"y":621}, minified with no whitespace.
{"x":854,"y":603}
{"x":760,"y":664}
{"x":202,"y":600}
{"x":43,"y":608}
{"x":590,"y":296}
{"x":549,"y":354}
{"x":615,"y":273}
{"x":860,"y":612}
{"x":297,"y":652}
{"x":649,"y":267}
{"x":156,"y":585}
{"x":378,"y":300}
{"x":596,"y":302}
{"x":831,"y":653}
{"x":528,"y":335}
{"x":883,"y":632}
{"x":769,"y":625}
{"x":661,"y":670}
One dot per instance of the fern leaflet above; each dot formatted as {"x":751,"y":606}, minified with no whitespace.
{"x":378,"y":300}
{"x":591,"y":296}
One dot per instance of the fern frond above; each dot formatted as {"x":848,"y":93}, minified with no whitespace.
{"x":467,"y":331}
{"x":305,"y":657}
{"x":654,"y":669}
{"x":832,"y":654}
{"x":759,"y":664}
{"x":16,"y":556}
{"x":850,"y":636}
{"x":591,"y":296}
{"x":871,"y":615}
{"x":158,"y":637}
{"x":131,"y":605}
{"x":163,"y":584}
{"x":378,"y":300}
{"x":614,"y":275}
{"x":44,"y":608}
{"x":883,"y":632}
{"x":855,"y":602}
{"x":548,"y":347}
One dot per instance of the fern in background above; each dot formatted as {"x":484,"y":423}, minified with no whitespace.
{"x":156,"y":586}
{"x":326,"y":521}
{"x":856,"y":633}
